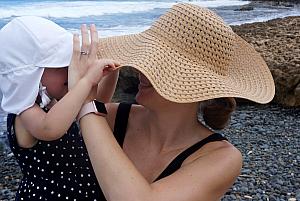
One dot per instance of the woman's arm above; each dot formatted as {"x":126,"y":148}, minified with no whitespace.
{"x":206,"y":178}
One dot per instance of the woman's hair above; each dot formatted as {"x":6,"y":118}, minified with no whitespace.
{"x":217,"y":112}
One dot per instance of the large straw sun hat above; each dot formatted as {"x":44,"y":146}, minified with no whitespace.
{"x":189,"y":54}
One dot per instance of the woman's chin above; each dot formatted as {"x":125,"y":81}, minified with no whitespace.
{"x":144,"y":94}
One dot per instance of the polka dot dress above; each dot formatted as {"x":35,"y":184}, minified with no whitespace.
{"x":55,"y":170}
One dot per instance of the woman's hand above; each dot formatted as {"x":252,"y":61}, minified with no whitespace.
{"x":84,"y":63}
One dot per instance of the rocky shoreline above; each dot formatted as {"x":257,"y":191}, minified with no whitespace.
{"x":278,"y":42}
{"x":267,"y":135}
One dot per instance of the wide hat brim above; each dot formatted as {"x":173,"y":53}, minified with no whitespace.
{"x":180,"y":80}
{"x":190,"y":54}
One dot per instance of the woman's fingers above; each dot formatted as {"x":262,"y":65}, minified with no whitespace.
{"x":94,"y":41}
{"x":85,"y":40}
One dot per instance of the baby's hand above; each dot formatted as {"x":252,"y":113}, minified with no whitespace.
{"x":84,"y":61}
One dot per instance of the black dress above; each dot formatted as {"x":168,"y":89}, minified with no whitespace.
{"x":55,"y":170}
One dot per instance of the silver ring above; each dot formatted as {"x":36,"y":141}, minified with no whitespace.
{"x":84,"y":53}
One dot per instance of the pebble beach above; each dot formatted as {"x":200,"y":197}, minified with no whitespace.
{"x":268,"y":136}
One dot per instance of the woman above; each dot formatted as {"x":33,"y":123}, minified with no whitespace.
{"x":189,"y":56}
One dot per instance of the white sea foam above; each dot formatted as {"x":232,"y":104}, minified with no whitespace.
{"x":77,"y":9}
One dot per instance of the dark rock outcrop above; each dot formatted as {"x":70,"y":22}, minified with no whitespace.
{"x":278,"y":41}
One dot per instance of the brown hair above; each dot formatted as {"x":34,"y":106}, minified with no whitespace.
{"x":217,"y":112}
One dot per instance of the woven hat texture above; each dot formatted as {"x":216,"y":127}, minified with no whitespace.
{"x":189,"y":54}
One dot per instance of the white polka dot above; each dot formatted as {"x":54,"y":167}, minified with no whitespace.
{"x":45,"y":188}
{"x":52,"y":192}
{"x":47,"y":162}
{"x":67,"y":198}
{"x":37,"y":187}
{"x":58,"y":195}
{"x":72,"y":189}
{"x":52,"y":182}
{"x":57,"y":164}
{"x":64,"y":186}
{"x":52,"y":171}
{"x":44,"y":152}
{"x":33,"y":194}
{"x":52,"y":154}
{"x":62,"y":155}
{"x":48,"y":145}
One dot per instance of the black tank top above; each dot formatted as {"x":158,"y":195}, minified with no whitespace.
{"x":120,"y":131}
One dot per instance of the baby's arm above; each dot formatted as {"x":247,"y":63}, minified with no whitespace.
{"x":55,"y":123}
{"x":107,"y":86}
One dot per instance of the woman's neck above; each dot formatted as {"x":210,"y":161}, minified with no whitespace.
{"x":174,"y":126}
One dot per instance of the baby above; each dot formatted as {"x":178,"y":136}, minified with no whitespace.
{"x":34,"y":64}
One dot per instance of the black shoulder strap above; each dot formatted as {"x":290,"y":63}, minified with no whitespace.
{"x":176,"y":163}
{"x":121,"y":122}
{"x":10,"y":121}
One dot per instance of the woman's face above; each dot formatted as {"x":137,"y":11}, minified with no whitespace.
{"x":56,"y":81}
{"x":147,"y":95}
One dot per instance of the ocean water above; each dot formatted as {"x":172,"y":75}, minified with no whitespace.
{"x":118,"y":17}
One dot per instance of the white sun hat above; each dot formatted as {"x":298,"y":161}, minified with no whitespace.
{"x":28,"y":45}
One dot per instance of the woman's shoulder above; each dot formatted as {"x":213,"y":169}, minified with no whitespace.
{"x":218,"y":152}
